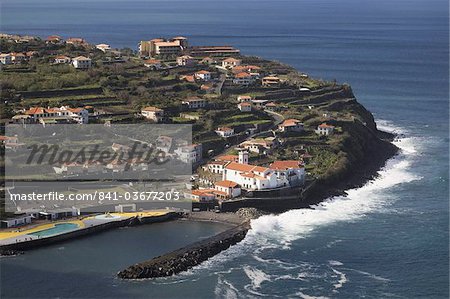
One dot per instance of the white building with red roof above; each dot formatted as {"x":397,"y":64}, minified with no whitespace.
{"x":203,"y":75}
{"x":153,"y":113}
{"x":250,"y":177}
{"x":292,"y":171}
{"x":245,"y":107}
{"x":60,"y":59}
{"x":231,"y":62}
{"x":325,"y":129}
{"x":153,"y":63}
{"x":225,"y":131}
{"x":243,"y":78}
{"x":227,"y":189}
{"x":40,"y":114}
{"x":81,"y":62}
{"x":291,"y":125}
{"x":190,"y":153}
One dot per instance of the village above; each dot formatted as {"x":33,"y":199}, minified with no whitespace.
{"x":257,"y":125}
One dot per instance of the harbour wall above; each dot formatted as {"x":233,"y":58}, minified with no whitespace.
{"x":27,"y":245}
{"x":186,"y":257}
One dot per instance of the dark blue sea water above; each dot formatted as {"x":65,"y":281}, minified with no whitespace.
{"x":389,"y":239}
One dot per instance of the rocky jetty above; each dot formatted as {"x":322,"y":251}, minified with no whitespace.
{"x":249,"y":213}
{"x":186,"y":257}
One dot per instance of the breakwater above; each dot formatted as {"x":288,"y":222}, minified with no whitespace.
{"x":187,"y":257}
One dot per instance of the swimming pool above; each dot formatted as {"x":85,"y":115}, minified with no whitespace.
{"x":57,"y":229}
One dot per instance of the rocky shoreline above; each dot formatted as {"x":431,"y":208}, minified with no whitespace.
{"x":356,"y":175}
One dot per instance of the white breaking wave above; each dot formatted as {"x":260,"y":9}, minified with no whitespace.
{"x":282,"y":229}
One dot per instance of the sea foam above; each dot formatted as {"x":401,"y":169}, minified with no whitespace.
{"x":281,"y":230}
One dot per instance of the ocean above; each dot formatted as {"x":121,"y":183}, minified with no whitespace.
{"x":387,"y":239}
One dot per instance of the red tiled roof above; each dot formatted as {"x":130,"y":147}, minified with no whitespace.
{"x":283,"y":165}
{"x":245,"y":167}
{"x":228,"y":158}
{"x":226,"y":184}
{"x":242,"y":75}
{"x":324,"y":125}
{"x":290,"y":122}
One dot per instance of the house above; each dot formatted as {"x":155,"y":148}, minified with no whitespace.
{"x":195,"y":103}
{"x":228,"y":158}
{"x":188,"y":78}
{"x":53,"y":39}
{"x":153,"y":64}
{"x":15,"y":221}
{"x":202,"y":195}
{"x":5,"y":58}
{"x":291,"y":125}
{"x":291,"y":170}
{"x":260,"y":145}
{"x":10,"y":142}
{"x":61,"y":59}
{"x":81,"y":62}
{"x":76,"y":41}
{"x":207,"y":87}
{"x":245,"y":107}
{"x":324,"y":129}
{"x":103,"y":47}
{"x":250,"y":177}
{"x":227,"y":189}
{"x":225,"y":132}
{"x":244,"y":98}
{"x":64,"y":113}
{"x":271,"y":107}
{"x":243,"y":78}
{"x":216,"y":166}
{"x":246,"y":68}
{"x":190,"y":153}
{"x":153,"y":113}
{"x":260,"y":104}
{"x":271,"y":81}
{"x":186,"y":60}
{"x":203,"y":75}
{"x":231,"y":62}
{"x":18,"y":57}
{"x":79,"y":115}
{"x":209,"y":61}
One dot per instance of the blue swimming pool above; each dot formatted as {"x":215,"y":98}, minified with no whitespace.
{"x":57,"y":229}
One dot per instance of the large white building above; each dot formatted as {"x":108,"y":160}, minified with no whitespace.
{"x":39,"y":114}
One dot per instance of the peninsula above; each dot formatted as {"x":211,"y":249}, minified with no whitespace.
{"x":265,"y":135}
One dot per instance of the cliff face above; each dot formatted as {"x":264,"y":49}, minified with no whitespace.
{"x":363,"y":150}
